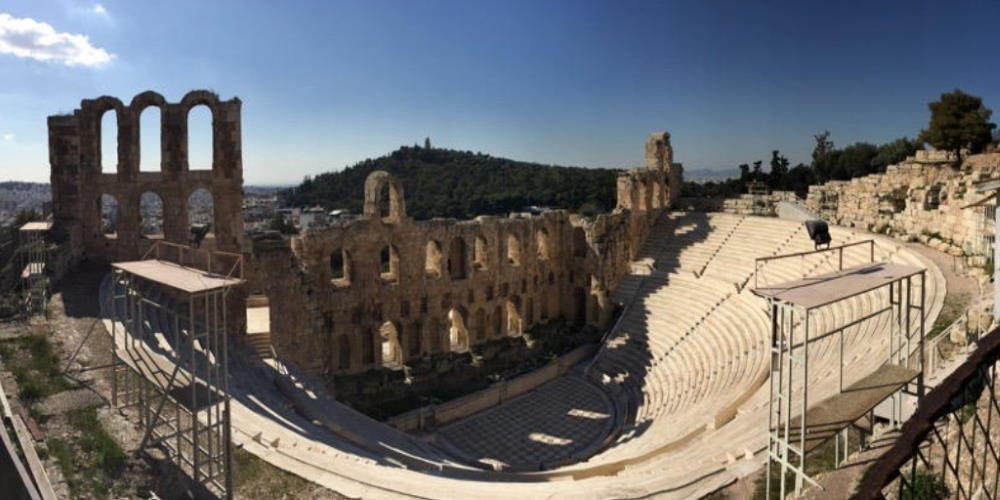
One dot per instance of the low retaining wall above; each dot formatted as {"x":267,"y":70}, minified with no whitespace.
{"x":430,"y":416}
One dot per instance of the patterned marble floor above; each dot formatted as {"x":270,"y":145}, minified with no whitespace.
{"x":559,"y":419}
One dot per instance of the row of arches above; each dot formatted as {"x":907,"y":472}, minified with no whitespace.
{"x":397,"y":343}
{"x":200,"y":210}
{"x":150,"y":131}
{"x":455,"y":263}
{"x":651,"y":194}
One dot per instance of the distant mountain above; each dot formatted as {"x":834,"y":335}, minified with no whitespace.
{"x":463,"y":184}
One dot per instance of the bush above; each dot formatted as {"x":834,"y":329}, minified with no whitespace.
{"x":925,"y":485}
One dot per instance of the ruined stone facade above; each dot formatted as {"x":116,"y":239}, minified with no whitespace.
{"x":382,"y":291}
{"x":78,"y":182}
{"x":924,"y":198}
{"x":386,"y":291}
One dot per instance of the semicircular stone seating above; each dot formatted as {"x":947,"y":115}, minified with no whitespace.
{"x":681,"y":379}
{"x":691,"y":355}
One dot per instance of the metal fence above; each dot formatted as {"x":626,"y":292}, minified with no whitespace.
{"x":949,"y":447}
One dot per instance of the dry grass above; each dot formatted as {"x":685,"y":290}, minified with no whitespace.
{"x":255,"y":479}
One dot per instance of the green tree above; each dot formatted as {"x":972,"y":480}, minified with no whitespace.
{"x":799,"y":179}
{"x":779,"y":170}
{"x":958,"y":121}
{"x":823,"y":145}
{"x":278,"y":223}
{"x":893,"y":152}
{"x":824,"y":157}
{"x":856,"y":160}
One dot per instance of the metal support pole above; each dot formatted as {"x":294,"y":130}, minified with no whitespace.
{"x":996,"y":262}
{"x":805,"y":399}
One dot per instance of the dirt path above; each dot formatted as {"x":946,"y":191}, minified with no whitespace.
{"x":950,"y":266}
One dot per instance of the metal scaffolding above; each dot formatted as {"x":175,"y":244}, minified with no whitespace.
{"x":32,"y":254}
{"x":171,"y":358}
{"x":794,"y":427}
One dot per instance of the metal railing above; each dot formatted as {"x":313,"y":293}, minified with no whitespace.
{"x":840,"y":256}
{"x":949,"y":447}
{"x":199,"y":258}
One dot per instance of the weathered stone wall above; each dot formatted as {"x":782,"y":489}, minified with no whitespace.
{"x":78,"y":182}
{"x":338,"y":294}
{"x":924,"y":198}
{"x":744,"y":204}
{"x":384,"y":286}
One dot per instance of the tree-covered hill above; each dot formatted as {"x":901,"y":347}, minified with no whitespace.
{"x":462,"y":184}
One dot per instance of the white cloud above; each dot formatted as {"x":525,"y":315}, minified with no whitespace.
{"x":28,"y":38}
{"x":8,"y":137}
{"x":99,"y":9}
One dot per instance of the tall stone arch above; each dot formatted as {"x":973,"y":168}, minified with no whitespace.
{"x":379,"y":184}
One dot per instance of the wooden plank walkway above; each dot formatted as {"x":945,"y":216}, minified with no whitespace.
{"x":830,"y":416}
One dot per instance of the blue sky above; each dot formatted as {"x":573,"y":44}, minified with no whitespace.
{"x":325,"y":84}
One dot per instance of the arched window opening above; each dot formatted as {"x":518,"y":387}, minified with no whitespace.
{"x":657,"y":195}
{"x":340,"y":267}
{"x":580,"y":306}
{"x":151,"y":212}
{"x":199,"y":138}
{"x":432,"y":262}
{"x":385,"y":201}
{"x":437,"y":340}
{"x":149,"y":139}
{"x":529,"y":312}
{"x":109,"y":142}
{"x":579,"y":242}
{"x":392,"y":354}
{"x":201,"y":215}
{"x":458,"y":334}
{"x":259,"y":322}
{"x":456,"y":259}
{"x":389,"y":264}
{"x":479,"y":253}
{"x":414,"y":338}
{"x":343,"y":352}
{"x":513,"y":250}
{"x":497,"y":330}
{"x":107,"y":208}
{"x":367,"y":349}
{"x":479,"y":326}
{"x":542,"y":240}
{"x":515,"y":325}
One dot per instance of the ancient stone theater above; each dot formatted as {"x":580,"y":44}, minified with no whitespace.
{"x":666,"y":308}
